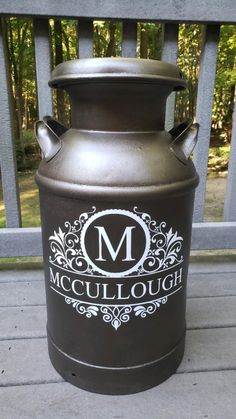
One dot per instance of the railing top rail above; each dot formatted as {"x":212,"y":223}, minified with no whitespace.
{"x":150,"y":10}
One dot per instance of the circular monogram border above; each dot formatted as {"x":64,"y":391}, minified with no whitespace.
{"x":116,"y":212}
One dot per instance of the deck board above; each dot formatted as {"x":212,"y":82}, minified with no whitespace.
{"x":184,"y":396}
{"x":29,"y":321}
{"x":23,"y":293}
{"x":206,"y":350}
{"x":203,"y":387}
{"x":22,"y":322}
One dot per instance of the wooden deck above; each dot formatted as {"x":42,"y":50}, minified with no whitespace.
{"x":203,"y":387}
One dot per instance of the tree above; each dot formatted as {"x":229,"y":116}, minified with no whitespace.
{"x":58,"y":58}
{"x":225,"y":82}
{"x":189,"y":50}
{"x":19,"y":44}
{"x":107,"y":39}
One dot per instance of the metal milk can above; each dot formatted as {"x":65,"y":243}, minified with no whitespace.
{"x":116,"y":197}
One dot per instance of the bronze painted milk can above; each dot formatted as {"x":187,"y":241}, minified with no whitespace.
{"x":116,"y":197}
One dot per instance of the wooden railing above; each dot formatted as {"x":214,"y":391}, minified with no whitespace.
{"x":17,"y":241}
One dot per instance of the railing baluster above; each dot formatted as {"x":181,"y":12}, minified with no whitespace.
{"x":129,"y":39}
{"x":7,"y":151}
{"x":169,"y":54}
{"x":85,"y":44}
{"x":230,"y":194}
{"x":43,"y":66}
{"x":205,"y":95}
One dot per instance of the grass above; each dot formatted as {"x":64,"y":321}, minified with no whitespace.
{"x":218,"y":159}
{"x":217,"y":165}
{"x":29,"y":201}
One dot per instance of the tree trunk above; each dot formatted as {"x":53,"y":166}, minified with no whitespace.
{"x":67,"y":44}
{"x":8,"y":39}
{"x":229,"y":116}
{"x":21,"y":37}
{"x":59,"y":59}
{"x":111,"y":45}
{"x":143,"y":43}
{"x":97,"y":43}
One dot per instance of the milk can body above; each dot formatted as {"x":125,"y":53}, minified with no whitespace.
{"x":116,"y":197}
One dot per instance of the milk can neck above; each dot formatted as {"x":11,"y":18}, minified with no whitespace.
{"x":118,"y":106}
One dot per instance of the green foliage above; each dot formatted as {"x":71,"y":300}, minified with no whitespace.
{"x":149,"y":40}
{"x":108,"y":42}
{"x":32,"y":154}
{"x":188,"y":60}
{"x":107,"y":39}
{"x":29,"y":200}
{"x":225,"y":81}
{"x":218,"y":159}
{"x":20,"y":45}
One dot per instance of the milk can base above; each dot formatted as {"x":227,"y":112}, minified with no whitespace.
{"x":113,"y":381}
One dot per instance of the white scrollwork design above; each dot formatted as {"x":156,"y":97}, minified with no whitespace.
{"x":164,"y":251}
{"x":142,"y":311}
{"x":165,"y":246}
{"x":65,"y":248}
{"x":116,"y":315}
{"x":81,"y":308}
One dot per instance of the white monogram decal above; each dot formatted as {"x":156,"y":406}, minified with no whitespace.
{"x":97,"y":246}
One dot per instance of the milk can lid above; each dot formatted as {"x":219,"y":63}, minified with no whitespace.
{"x":107,"y":69}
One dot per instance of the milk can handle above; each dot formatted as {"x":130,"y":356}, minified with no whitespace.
{"x":185,"y":138}
{"x":48,"y":132}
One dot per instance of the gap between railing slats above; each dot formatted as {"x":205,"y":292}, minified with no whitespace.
{"x":7,"y":149}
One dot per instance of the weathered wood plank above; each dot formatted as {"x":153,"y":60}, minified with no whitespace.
{"x":184,"y":396}
{"x":201,"y":354}
{"x":20,"y":242}
{"x":169,"y":54}
{"x":13,"y":294}
{"x":205,"y":96}
{"x":167,"y":11}
{"x":230,"y":193}
{"x":221,"y":235}
{"x":204,"y":271}
{"x":209,"y":350}
{"x":28,"y":242}
{"x":34,"y":365}
{"x":30,"y":321}
{"x":211,"y":312}
{"x":129,"y":39}
{"x":204,"y":395}
{"x":21,"y":275}
{"x":22,"y":322}
{"x":85,"y":44}
{"x":7,"y":149}
{"x":43,"y":66}
{"x":212,"y":265}
{"x":211,"y":285}
{"x":28,"y":291}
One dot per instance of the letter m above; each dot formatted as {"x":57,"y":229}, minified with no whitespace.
{"x":104,"y":239}
{"x":54,"y":278}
